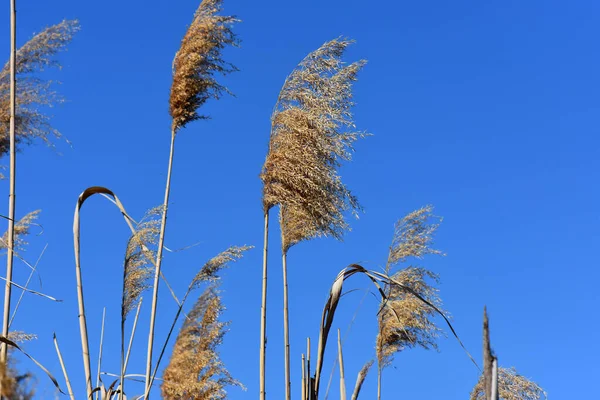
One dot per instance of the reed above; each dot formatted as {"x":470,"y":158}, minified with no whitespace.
{"x":312,"y":132}
{"x":196,"y":64}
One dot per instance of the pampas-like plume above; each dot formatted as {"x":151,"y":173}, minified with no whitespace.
{"x":405,"y":321}
{"x":198,"y":60}
{"x":512,"y":386}
{"x":194,"y":67}
{"x":312,"y":132}
{"x":22,"y":228}
{"x":195,"y":370}
{"x":139,"y":259}
{"x":33,"y":93}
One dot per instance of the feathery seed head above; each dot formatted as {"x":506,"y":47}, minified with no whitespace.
{"x":209,"y":272}
{"x":22,"y":228}
{"x":195,"y":370}
{"x":33,"y":93}
{"x":511,"y":386}
{"x":139,"y":259}
{"x":312,"y":132}
{"x":197,"y":62}
{"x":405,"y":321}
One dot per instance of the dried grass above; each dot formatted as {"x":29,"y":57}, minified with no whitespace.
{"x":195,"y":370}
{"x":405,"y":321}
{"x":198,"y":60}
{"x":32,"y":92}
{"x":312,"y":131}
{"x":512,"y":386}
{"x":22,"y":229}
{"x":139,"y":260}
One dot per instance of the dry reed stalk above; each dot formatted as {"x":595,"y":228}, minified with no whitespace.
{"x":85,"y":349}
{"x":196,"y":63}
{"x":405,"y":321}
{"x":335,"y":293}
{"x":311,"y":133}
{"x":511,"y":386}
{"x":360,"y":379}
{"x":488,"y":357}
{"x":341,"y":362}
{"x":11,"y":199}
{"x":64,"y":369}
{"x":195,"y":370}
{"x":100,"y":349}
{"x":35,"y":54}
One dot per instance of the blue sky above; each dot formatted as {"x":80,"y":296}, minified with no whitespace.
{"x":489,"y":111}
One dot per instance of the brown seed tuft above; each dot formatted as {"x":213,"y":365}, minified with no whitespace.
{"x":198,"y":60}
{"x":511,"y":386}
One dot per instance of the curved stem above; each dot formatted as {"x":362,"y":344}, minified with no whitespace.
{"x":161,"y":241}
{"x":263,"y":310}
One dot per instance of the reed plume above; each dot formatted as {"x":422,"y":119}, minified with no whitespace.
{"x":312,"y":132}
{"x":195,"y":370}
{"x":511,"y":386}
{"x":196,"y":64}
{"x":209,"y":273}
{"x":32,"y":92}
{"x":405,"y":321}
{"x":137,"y":271}
{"x":22,"y":229}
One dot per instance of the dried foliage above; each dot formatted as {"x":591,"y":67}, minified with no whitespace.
{"x":360,"y":379}
{"x":32,"y":92}
{"x":312,"y":131}
{"x":511,"y":386}
{"x":198,"y":60}
{"x":16,"y":385}
{"x":413,"y":237}
{"x":406,"y":321}
{"x":209,"y":272}
{"x":139,"y":259}
{"x":22,"y":228}
{"x":195,"y":370}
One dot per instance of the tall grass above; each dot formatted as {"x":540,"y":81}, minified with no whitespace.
{"x":196,"y":63}
{"x":312,"y":131}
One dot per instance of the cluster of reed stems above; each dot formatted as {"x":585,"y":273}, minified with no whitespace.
{"x":312,"y":133}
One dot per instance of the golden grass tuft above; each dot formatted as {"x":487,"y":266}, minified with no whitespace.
{"x":406,"y":321}
{"x":312,"y":131}
{"x":198,"y":60}
{"x":413,"y":236}
{"x":511,"y":386}
{"x":195,"y":370}
{"x":139,"y":260}
{"x":22,"y":228}
{"x":32,"y":92}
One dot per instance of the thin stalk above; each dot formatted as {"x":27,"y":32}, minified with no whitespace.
{"x":286,"y":329}
{"x":303,"y":389}
{"x":309,"y":389}
{"x":33,"y":271}
{"x":379,"y":370}
{"x":133,"y":330}
{"x":342,"y":375}
{"x":100,"y":351}
{"x":263,"y":310}
{"x":495,"y":379}
{"x":161,"y":241}
{"x":64,"y":369}
{"x":11,"y":197}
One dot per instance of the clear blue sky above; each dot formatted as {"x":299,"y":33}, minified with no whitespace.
{"x":488,"y":111}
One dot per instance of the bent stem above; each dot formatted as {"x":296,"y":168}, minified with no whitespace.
{"x":161,"y":241}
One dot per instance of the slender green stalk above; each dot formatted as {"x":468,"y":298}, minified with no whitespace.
{"x":263,"y":310}
{"x":11,"y":197}
{"x":161,"y":241}
{"x":286,"y":329}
